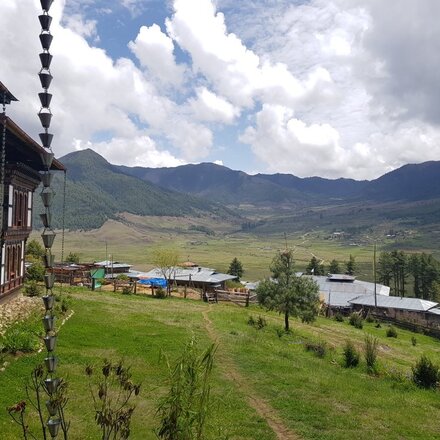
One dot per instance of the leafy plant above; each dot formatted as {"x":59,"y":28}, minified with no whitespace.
{"x":111,"y":396}
{"x":370,"y":352}
{"x":184,"y":410}
{"x":351,"y":355}
{"x":35,"y":272}
{"x":413,"y":341}
{"x":339,"y":317}
{"x":160,"y":293}
{"x":22,"y":336}
{"x":425,"y":373}
{"x":319,"y":348}
{"x":36,"y":391}
{"x":72,"y":258}
{"x":356,"y":320}
{"x":258,"y":323}
{"x":32,"y":288}
{"x":391,"y":332}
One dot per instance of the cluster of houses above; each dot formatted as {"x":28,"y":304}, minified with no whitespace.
{"x":338,"y":292}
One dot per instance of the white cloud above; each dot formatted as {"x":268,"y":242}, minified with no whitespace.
{"x":234,"y":71}
{"x":85,"y":28}
{"x":92,"y":93}
{"x":154,"y":50}
{"x":137,"y":151}
{"x":323,"y":87}
{"x":210,"y":107}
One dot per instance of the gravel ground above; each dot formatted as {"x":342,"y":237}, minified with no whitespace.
{"x":18,"y":308}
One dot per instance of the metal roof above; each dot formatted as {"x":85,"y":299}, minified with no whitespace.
{"x":112,"y":264}
{"x":354,"y":288}
{"x":338,"y":299}
{"x":395,"y":302}
{"x":434,"y":311}
{"x":196,"y":274}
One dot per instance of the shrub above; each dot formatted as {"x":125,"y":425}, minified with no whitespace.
{"x":308,"y":317}
{"x":370,"y":352}
{"x":280,"y":332}
{"x":160,"y":293}
{"x":319,"y":348}
{"x":32,"y":288}
{"x":339,"y":317}
{"x":126,"y":290}
{"x":258,"y":323}
{"x":351,"y":355}
{"x":356,"y":320}
{"x":35,"y":272}
{"x":425,"y":373}
{"x":369,"y":318}
{"x":413,"y":341}
{"x":183,"y":411}
{"x":391,"y":332}
{"x":22,"y":336}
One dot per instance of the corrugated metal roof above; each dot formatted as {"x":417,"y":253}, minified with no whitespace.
{"x":196,"y":274}
{"x":354,"y":288}
{"x":338,"y":299}
{"x":395,"y":302}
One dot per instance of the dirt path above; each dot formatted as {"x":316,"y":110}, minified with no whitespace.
{"x":263,"y":409}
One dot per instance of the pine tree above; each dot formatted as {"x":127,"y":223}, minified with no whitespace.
{"x":236,"y":268}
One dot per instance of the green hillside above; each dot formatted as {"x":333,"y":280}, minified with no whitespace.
{"x":96,"y":192}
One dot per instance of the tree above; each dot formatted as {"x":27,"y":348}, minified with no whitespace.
{"x":334,"y":267}
{"x":236,"y":268}
{"x":384,"y":268}
{"x":166,"y":261}
{"x":350,"y":266}
{"x":34,"y":250}
{"x":72,"y":258}
{"x":287,"y":293}
{"x":315,"y":267}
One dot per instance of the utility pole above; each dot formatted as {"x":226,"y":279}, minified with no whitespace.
{"x":374,"y":270}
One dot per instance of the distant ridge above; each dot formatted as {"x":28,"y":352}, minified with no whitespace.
{"x":97,"y":191}
{"x":410,"y":182}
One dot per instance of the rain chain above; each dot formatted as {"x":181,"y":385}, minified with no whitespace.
{"x":51,"y":382}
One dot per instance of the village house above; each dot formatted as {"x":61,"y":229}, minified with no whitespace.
{"x":21,"y":161}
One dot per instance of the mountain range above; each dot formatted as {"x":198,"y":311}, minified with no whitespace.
{"x":97,"y":190}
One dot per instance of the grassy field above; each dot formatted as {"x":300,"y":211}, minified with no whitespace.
{"x":259,"y":375}
{"x":135,"y":240}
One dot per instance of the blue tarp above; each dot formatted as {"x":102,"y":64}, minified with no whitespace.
{"x":155,"y":282}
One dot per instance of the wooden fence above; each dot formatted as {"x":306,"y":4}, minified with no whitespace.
{"x":242,"y":299}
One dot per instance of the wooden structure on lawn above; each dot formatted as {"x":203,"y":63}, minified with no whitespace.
{"x":21,"y":161}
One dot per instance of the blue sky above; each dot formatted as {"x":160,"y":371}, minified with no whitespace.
{"x":319,"y":87}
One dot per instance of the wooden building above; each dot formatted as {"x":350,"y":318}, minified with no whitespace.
{"x":21,"y":161}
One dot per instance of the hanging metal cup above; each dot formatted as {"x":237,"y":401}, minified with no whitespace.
{"x":49,"y":280}
{"x":48,"y":260}
{"x":49,"y":323}
{"x":48,"y":302}
{"x":52,"y":407}
{"x":45,"y":21}
{"x":51,"y":385}
{"x":47,"y":158}
{"x":48,"y":237}
{"x":46,"y":140}
{"x":50,"y":342}
{"x":46,"y":4}
{"x":53,"y":426}
{"x":51,"y":363}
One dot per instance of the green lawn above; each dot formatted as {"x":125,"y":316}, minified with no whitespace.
{"x":316,"y":398}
